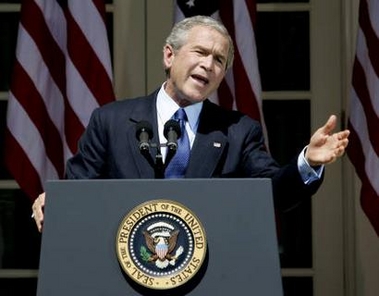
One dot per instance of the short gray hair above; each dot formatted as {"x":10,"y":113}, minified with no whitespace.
{"x":177,"y":37}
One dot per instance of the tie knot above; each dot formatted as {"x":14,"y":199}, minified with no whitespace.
{"x":180,"y":115}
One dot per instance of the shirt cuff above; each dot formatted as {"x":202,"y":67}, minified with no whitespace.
{"x":308,"y":174}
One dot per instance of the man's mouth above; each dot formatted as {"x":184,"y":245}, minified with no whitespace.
{"x":203,"y":80}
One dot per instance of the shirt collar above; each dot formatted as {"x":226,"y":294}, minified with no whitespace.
{"x":166,"y":107}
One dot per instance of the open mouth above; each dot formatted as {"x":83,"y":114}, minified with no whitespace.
{"x":200,"y":79}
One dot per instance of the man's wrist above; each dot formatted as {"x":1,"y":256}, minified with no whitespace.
{"x":308,"y":172}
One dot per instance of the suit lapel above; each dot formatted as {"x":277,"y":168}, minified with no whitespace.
{"x":146,"y":110}
{"x":209,"y":145}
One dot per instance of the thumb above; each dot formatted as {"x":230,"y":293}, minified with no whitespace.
{"x":330,"y":125}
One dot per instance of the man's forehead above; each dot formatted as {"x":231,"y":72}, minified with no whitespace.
{"x":204,"y":32}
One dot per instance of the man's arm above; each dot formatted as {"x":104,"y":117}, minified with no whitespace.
{"x":324,"y":148}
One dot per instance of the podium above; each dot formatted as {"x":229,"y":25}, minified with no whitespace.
{"x":82,"y":218}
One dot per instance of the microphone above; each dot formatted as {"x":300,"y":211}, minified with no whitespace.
{"x":172,"y":132}
{"x":144,"y":132}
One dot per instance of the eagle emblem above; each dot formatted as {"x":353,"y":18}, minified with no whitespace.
{"x":161,"y":244}
{"x":161,"y":240}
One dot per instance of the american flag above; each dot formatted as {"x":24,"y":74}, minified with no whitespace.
{"x":241,"y":88}
{"x":363,"y":149}
{"x":61,"y":73}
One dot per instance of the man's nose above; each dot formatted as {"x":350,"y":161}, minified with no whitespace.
{"x":207,"y":63}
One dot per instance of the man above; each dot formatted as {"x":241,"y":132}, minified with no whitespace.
{"x":223,"y":143}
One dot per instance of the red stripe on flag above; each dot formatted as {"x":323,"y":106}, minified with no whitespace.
{"x":99,"y":4}
{"x":21,"y":168}
{"x":371,"y":37}
{"x":252,"y":9}
{"x":226,"y":99}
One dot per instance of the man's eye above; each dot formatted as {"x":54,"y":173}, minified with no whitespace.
{"x":220,"y":61}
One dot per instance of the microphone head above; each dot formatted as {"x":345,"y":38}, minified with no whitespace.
{"x":172,"y":125}
{"x":144,"y":126}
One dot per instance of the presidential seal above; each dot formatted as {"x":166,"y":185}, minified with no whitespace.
{"x":161,"y":244}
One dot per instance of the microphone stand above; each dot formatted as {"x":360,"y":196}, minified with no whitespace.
{"x":144,"y":134}
{"x":158,"y":165}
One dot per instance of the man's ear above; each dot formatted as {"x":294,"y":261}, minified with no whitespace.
{"x":168,"y":56}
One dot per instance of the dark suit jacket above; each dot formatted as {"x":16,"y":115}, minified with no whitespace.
{"x":227,"y":145}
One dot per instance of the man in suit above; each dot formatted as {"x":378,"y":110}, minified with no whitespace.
{"x":222,"y":143}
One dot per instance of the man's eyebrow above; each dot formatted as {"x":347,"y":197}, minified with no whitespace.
{"x":216,"y":54}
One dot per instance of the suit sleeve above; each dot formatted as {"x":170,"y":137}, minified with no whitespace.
{"x":288,"y":187}
{"x":89,"y":161}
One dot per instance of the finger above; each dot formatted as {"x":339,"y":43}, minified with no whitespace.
{"x":342,"y":147}
{"x":343,"y":135}
{"x":39,"y":225}
{"x":38,"y":218}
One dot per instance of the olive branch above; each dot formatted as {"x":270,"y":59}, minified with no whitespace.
{"x":145,"y":255}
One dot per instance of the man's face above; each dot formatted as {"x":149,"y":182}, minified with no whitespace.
{"x":198,"y":67}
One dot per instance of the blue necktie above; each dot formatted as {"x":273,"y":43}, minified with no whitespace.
{"x":178,"y":164}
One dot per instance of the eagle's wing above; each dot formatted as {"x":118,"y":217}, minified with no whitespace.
{"x":149,"y":241}
{"x":172,"y":241}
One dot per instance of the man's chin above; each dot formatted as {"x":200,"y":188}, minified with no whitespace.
{"x":194,"y":98}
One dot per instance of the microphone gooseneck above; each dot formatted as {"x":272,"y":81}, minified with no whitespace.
{"x":144,"y":133}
